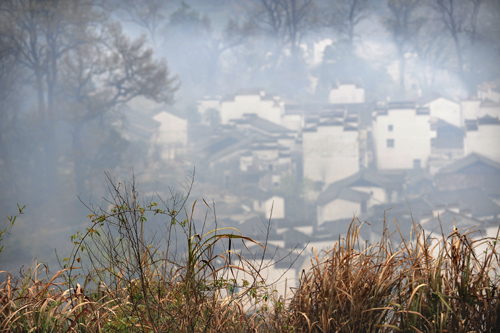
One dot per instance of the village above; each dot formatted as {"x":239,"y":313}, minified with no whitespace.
{"x":433,"y":161}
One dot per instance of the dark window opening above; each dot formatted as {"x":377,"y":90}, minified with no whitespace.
{"x":390,"y":143}
{"x":390,"y":128}
{"x":416,"y":164}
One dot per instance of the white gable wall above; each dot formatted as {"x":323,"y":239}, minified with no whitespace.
{"x":294,"y":122}
{"x":268,"y":109}
{"x":484,"y":141}
{"x":346,"y":94}
{"x":489,"y":109}
{"x":489,"y":93}
{"x":274,"y":205}
{"x":171,"y":136}
{"x":337,"y":209}
{"x":444,"y":109}
{"x":330,"y":153}
{"x":469,"y":109}
{"x":411,"y":133}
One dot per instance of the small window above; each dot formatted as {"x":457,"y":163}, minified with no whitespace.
{"x":390,"y":128}
{"x":390,"y":143}
{"x":416,"y":164}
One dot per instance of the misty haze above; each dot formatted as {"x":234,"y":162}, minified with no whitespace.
{"x":291,"y":121}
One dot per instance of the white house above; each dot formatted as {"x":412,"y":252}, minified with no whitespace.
{"x":489,"y":108}
{"x":293,"y":117}
{"x":442,"y":108}
{"x":171,"y":136}
{"x":469,"y":109}
{"x":346,"y":94}
{"x":257,"y":102}
{"x":355,"y":195}
{"x":330,"y":151}
{"x":266,"y":203}
{"x":402,"y":135}
{"x":482,"y":136}
{"x":345,"y":205}
{"x":489,"y":91}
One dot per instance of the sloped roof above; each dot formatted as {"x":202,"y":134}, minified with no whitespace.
{"x":488,"y":120}
{"x":257,"y":193}
{"x":432,"y":97}
{"x":262,"y":125}
{"x":472,"y":125}
{"x":363,"y":178}
{"x":173,"y":111}
{"x":473,"y":199}
{"x":448,"y":136}
{"x":468,"y":161}
{"x":446,"y":221}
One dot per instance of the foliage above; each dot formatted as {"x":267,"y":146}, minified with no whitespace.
{"x":8,"y":225}
{"x":132,"y":284}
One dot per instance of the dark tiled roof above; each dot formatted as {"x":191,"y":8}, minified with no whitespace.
{"x":467,"y":161}
{"x":488,"y":120}
{"x":263,"y":125}
{"x":473,"y":199}
{"x":448,"y":136}
{"x":363,"y":178}
{"x":423,"y":111}
{"x":401,"y":105}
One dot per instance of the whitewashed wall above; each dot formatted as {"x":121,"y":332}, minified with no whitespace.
{"x":412,"y":136}
{"x":337,"y":209}
{"x":330,"y":153}
{"x":484,"y":141}
{"x":445,"y":109}
{"x":346,"y":94}
{"x":171,"y":136}
{"x":269,"y":109}
{"x":469,"y":109}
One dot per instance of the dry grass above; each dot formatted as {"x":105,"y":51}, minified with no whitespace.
{"x":379,"y":288}
{"x":449,"y":284}
{"x":350,"y":288}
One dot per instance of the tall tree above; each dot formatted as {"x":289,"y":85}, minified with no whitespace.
{"x":287,"y":22}
{"x":345,"y":15}
{"x":105,"y":74}
{"x":403,"y":25}
{"x":148,"y":14}
{"x":82,"y":66}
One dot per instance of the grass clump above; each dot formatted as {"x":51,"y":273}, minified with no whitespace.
{"x":123,"y":277}
{"x":424,"y":285}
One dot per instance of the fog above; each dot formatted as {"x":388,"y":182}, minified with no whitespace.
{"x":304,"y":113}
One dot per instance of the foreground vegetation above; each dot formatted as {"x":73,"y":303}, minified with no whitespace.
{"x":120,"y":278}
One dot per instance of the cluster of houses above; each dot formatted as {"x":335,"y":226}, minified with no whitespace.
{"x":433,"y":160}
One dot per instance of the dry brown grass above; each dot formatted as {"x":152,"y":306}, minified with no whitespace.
{"x":444,"y":284}
{"x":350,"y":288}
{"x":381,"y":288}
